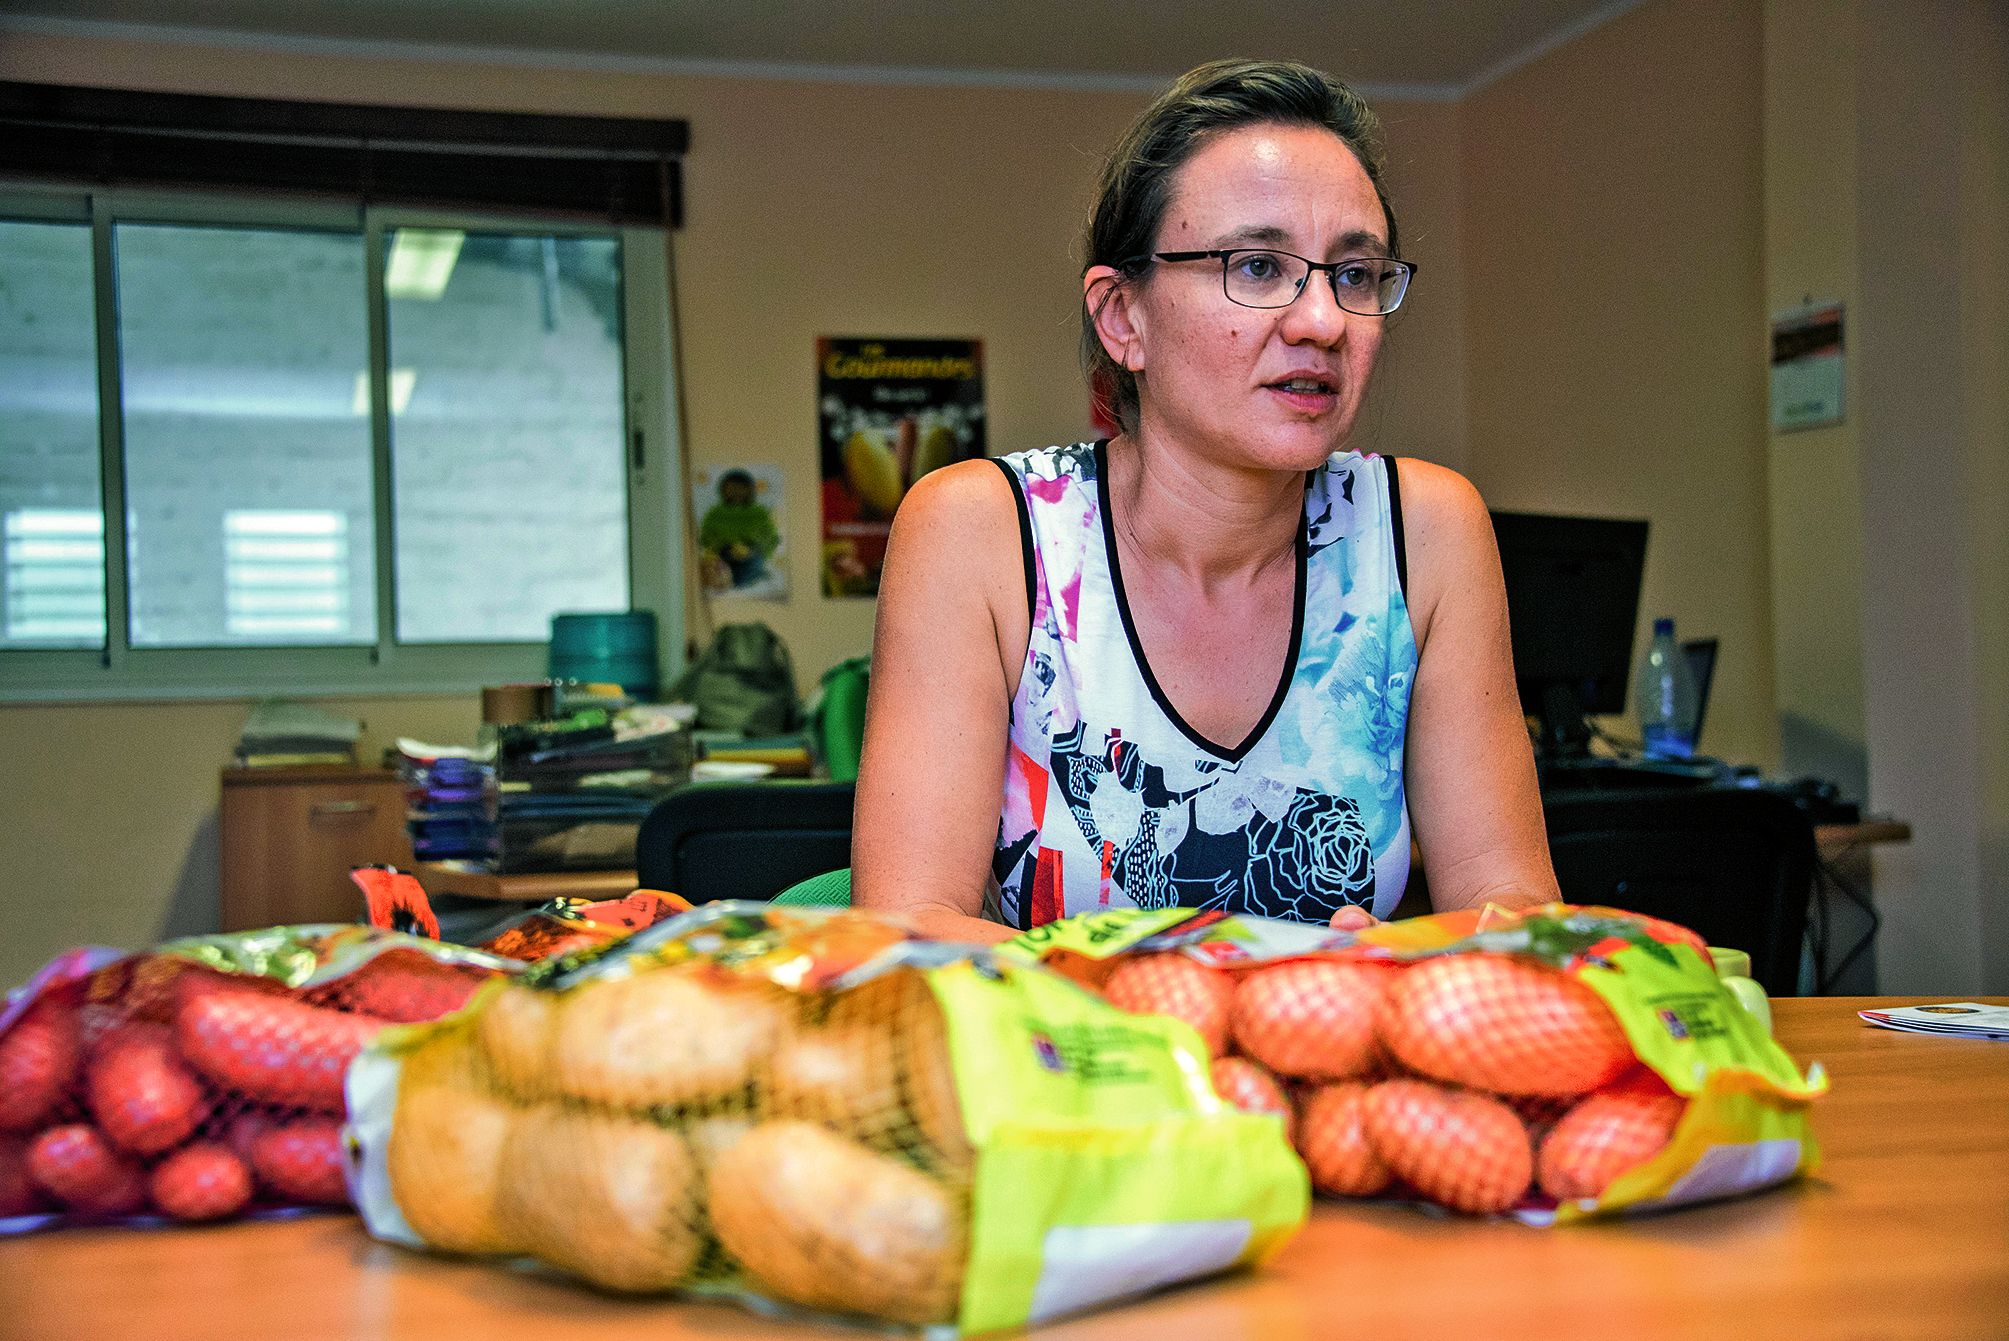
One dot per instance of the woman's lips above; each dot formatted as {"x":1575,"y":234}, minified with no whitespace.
{"x":1309,"y":402}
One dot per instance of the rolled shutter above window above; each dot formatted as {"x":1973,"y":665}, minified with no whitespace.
{"x":623,"y":169}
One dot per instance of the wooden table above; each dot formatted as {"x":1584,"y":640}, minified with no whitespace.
{"x":1834,"y":839}
{"x":1903,"y":1233}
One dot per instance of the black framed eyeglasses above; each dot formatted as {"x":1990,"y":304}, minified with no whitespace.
{"x":1368,"y":286}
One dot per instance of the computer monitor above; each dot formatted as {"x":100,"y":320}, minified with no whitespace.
{"x":1700,"y":654}
{"x":1572,"y":603}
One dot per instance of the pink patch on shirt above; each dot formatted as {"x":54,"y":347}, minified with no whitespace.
{"x":1070,"y":606}
{"x":1047,"y":491}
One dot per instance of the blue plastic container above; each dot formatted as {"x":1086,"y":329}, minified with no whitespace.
{"x":613,"y":648}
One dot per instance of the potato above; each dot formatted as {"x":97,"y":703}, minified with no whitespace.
{"x":842,"y":1075}
{"x":445,"y":1159}
{"x":664,"y":1038}
{"x":712,"y":1136}
{"x":823,"y":1222}
{"x":901,"y":1004}
{"x":613,"y":1199}
{"x":515,"y":1027}
{"x":931,"y":1084}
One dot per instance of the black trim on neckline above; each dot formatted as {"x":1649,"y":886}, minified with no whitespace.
{"x":1024,"y":539}
{"x":1395,"y":525}
{"x":1302,"y":548}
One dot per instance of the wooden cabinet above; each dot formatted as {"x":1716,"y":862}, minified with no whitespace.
{"x":290,"y":835}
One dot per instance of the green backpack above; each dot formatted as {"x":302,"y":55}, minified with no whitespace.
{"x":744,"y":681}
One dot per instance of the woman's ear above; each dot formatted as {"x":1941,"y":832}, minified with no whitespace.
{"x":1111,"y":298}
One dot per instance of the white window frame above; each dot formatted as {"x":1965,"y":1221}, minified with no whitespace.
{"x":119,"y":671}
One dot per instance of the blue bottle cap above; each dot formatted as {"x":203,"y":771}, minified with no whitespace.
{"x":1661,"y":626}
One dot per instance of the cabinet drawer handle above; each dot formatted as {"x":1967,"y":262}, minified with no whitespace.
{"x":330,"y":809}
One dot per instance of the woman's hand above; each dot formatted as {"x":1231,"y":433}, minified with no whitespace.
{"x":1353,"y":917}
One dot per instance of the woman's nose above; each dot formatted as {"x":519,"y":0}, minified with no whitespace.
{"x":1315,"y":316}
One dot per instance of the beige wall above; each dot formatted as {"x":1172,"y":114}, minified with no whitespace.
{"x":814,"y":209}
{"x":1419,"y":404}
{"x":1984,"y":339}
{"x":1815,"y":489}
{"x":110,"y":815}
{"x":1614,"y":228}
{"x":1931,"y":142}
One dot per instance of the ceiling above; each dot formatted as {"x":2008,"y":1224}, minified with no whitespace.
{"x":1439,"y":48}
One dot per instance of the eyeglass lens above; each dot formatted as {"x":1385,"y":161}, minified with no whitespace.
{"x":1368,"y":286}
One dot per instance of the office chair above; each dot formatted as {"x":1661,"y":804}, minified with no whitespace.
{"x":1734,"y":865}
{"x":743,"y":840}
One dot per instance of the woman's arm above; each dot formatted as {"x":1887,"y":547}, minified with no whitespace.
{"x":950,"y":639}
{"x":1470,"y":772}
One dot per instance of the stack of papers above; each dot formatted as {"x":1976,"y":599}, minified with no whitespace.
{"x":1957,"y":1019}
{"x":279,"y":733}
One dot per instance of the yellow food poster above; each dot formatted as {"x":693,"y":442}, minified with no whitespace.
{"x":890,"y":410}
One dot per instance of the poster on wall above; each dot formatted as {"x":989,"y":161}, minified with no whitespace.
{"x":740,"y":547}
{"x":890,"y":410}
{"x":1807,"y":367}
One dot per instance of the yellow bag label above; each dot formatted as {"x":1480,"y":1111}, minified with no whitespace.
{"x":1106,"y":1165}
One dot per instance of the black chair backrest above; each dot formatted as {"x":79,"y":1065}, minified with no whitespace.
{"x":1733,"y":864}
{"x":743,"y":840}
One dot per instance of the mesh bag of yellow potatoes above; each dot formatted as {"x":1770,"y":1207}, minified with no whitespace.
{"x":805,"y":1108}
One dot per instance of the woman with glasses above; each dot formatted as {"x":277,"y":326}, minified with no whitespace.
{"x":1222,"y":659}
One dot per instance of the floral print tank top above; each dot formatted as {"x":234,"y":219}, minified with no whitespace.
{"x":1112,"y":800}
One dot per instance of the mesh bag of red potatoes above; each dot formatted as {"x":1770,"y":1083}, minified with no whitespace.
{"x":202,"y":1079}
{"x":806,"y":1110}
{"x":1551,"y":1063}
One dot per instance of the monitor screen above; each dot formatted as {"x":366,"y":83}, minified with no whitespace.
{"x":1573,"y":603}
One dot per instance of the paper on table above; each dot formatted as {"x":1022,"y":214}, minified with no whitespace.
{"x":1958,"y":1019}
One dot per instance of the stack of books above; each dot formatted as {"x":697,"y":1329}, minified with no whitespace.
{"x":449,"y":801}
{"x":571,"y":795}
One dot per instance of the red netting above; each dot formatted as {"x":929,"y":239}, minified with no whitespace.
{"x":1170,"y":984}
{"x":1312,"y":1019}
{"x":1251,"y":1088}
{"x":1606,"y":1134}
{"x":1465,"y":1150}
{"x":158,"y":1086}
{"x":1446,"y":1074}
{"x":1495,"y":1022}
{"x":1333,"y":1141}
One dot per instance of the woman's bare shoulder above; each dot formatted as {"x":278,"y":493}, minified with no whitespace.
{"x":1437,"y":497}
{"x":1448,"y":535}
{"x":956,"y":537}
{"x":961,"y":516}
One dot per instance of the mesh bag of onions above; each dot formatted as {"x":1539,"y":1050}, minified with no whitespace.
{"x":1549,"y":1063}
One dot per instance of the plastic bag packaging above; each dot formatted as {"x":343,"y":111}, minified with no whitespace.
{"x":805,"y":1110}
{"x":395,"y":901}
{"x":203,"y":1079}
{"x":1550,"y":1063}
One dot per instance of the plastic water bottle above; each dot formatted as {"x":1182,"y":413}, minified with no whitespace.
{"x":1665,"y":696}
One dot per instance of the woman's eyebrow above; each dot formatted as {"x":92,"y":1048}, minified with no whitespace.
{"x":1270,"y":235}
{"x":1266,"y":234}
